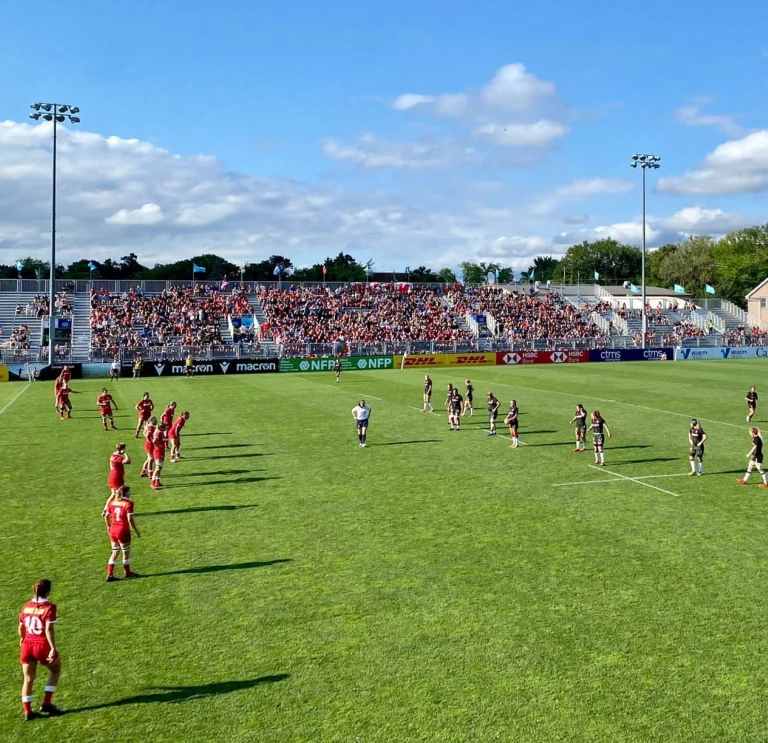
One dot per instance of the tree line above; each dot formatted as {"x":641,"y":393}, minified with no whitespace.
{"x":733,"y":265}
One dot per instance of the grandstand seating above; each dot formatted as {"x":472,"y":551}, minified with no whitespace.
{"x":176,"y":319}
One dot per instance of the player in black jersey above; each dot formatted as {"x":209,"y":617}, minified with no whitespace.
{"x":337,"y":369}
{"x":755,"y":457}
{"x":468,"y":397}
{"x":493,"y":412}
{"x":751,"y":399}
{"x":448,"y":398}
{"x":580,"y":419}
{"x":599,"y":429}
{"x":454,"y":410}
{"x":696,"y":439}
{"x":512,"y":421}
{"x":427,"y":395}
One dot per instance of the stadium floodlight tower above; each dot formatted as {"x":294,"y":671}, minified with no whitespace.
{"x":58,"y":113}
{"x":644,"y":162}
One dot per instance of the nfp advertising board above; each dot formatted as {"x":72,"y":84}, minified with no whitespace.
{"x":348,"y":363}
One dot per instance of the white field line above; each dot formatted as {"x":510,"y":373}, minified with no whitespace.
{"x":501,"y":435}
{"x":15,"y":397}
{"x":419,"y":410}
{"x":635,"y":480}
{"x":617,"y":479}
{"x":614,"y":402}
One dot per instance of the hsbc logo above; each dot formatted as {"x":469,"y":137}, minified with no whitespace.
{"x":470,"y":360}
{"x":511,"y":358}
{"x":559,"y":357}
{"x":424,"y":361}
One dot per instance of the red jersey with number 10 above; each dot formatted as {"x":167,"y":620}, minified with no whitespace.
{"x":36,"y":615}
{"x":116,"y":471}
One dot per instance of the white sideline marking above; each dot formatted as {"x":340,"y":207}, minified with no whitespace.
{"x":502,"y":435}
{"x":365,"y":397}
{"x":419,"y":410}
{"x":634,"y":479}
{"x":15,"y":397}
{"x":618,"y":479}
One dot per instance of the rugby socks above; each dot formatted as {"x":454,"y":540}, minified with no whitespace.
{"x":763,"y":475}
{"x":701,"y":468}
{"x":602,"y":457}
{"x":693,"y":466}
{"x":48,"y":698}
{"x":746,"y":476}
{"x":127,"y":567}
{"x":110,"y":568}
{"x":26,"y":703}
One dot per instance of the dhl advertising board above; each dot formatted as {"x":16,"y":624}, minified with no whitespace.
{"x":430,"y":361}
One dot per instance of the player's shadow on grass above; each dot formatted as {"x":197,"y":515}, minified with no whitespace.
{"x":220,"y":568}
{"x":645,"y":461}
{"x":212,"y":433}
{"x":233,"y":456}
{"x":416,"y":441}
{"x":197,"y":509}
{"x":218,"y":446}
{"x":173,"y":694}
{"x":179,"y":473}
{"x":232,"y":481}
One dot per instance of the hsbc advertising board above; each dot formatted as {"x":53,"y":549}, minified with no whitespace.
{"x":204,"y":368}
{"x":514,"y":358}
{"x":721,"y":353}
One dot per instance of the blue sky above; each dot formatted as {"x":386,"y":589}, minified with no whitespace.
{"x":252,"y":128}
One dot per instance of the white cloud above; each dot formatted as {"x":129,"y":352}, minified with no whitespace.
{"x":515,"y":110}
{"x":147,"y":214}
{"x":692,"y":116}
{"x":738,"y":166}
{"x":579,"y":190}
{"x":117,"y":196}
{"x":374,"y":152}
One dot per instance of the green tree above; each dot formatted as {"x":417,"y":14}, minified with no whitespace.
{"x":544,"y":268}
{"x":446,"y":276}
{"x":265,"y":270}
{"x":612,"y":260}
{"x":740,"y":263}
{"x":654,"y":260}
{"x":690,"y":265}
{"x":423,"y":275}
{"x":506,"y":275}
{"x":216,"y":268}
{"x":472,"y":273}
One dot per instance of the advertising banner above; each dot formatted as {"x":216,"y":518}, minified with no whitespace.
{"x":4,"y":374}
{"x":420,"y":361}
{"x":348,"y":363}
{"x":513,"y":358}
{"x":631,"y":354}
{"x":469,"y":359}
{"x":204,"y":368}
{"x":728,"y":352}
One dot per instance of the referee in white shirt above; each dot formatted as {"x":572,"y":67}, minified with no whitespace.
{"x":361,"y":413}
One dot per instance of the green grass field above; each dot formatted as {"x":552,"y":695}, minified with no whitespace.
{"x":436,"y":586}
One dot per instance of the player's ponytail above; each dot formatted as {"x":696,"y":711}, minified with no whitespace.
{"x":42,"y":589}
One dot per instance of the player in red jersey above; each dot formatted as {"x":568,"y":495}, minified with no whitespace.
{"x":167,"y":416}
{"x":149,"y":435}
{"x":175,"y":436}
{"x":117,"y":463}
{"x":119,"y":520}
{"x":145,"y":406}
{"x":38,"y":645}
{"x":57,"y":385}
{"x":159,"y":445}
{"x":63,"y":403}
{"x":65,"y":374}
{"x":105,"y":402}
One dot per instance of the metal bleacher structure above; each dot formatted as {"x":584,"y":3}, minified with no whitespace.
{"x":716,"y":319}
